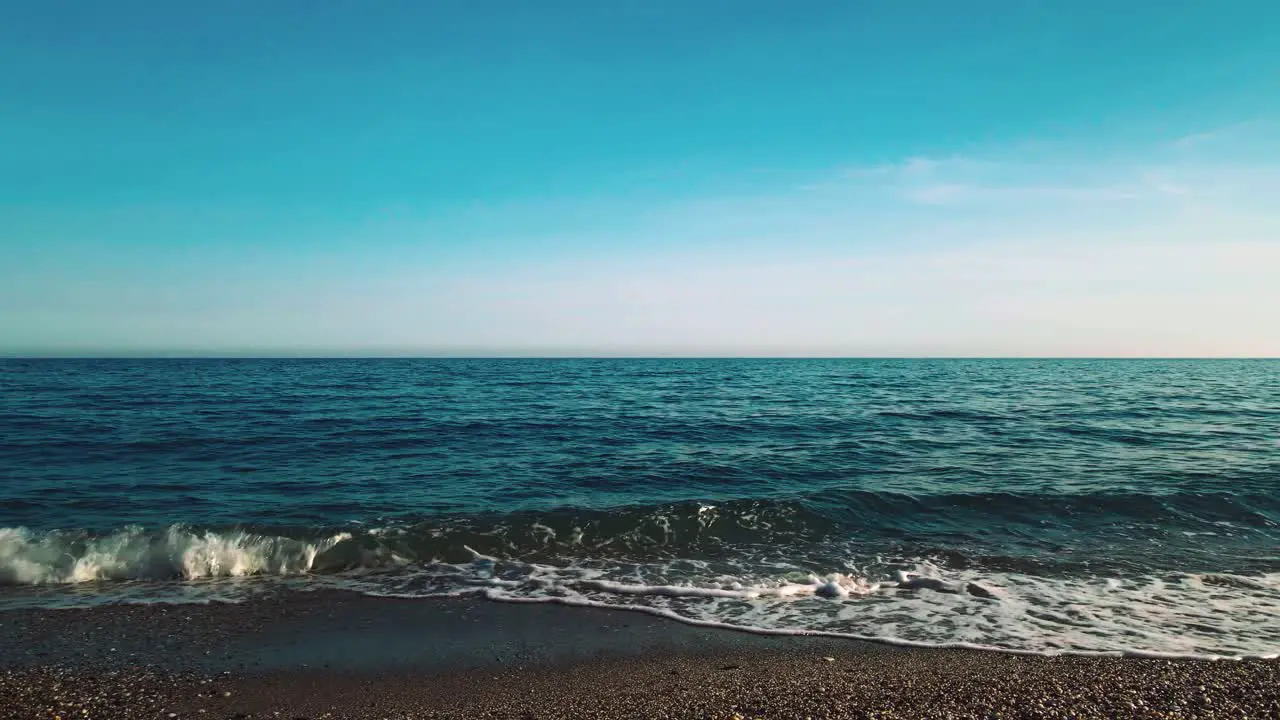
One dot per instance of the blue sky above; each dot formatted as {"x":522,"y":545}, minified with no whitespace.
{"x":740,"y":178}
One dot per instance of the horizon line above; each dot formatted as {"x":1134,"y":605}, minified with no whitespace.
{"x":504,"y":356}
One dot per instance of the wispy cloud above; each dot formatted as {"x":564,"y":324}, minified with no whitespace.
{"x":965,"y":181}
{"x":1160,"y":181}
{"x":1235,"y":166}
{"x":1161,"y":252}
{"x":937,"y":193}
{"x":1233,"y":132}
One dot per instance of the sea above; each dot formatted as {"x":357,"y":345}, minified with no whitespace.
{"x":1030,"y":506}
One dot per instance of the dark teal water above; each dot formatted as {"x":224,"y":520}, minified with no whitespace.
{"x":1038,"y":505}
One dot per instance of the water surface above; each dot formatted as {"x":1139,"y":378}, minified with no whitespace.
{"x":1028,"y":505}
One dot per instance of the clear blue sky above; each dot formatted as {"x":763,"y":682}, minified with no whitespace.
{"x":849,"y":178}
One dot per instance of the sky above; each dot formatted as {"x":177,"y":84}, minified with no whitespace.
{"x":484,"y":177}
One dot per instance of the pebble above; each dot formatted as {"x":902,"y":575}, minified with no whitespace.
{"x":878,"y":684}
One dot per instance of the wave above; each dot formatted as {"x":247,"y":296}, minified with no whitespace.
{"x":816,"y":589}
{"x":179,"y":552}
{"x":1029,"y":533}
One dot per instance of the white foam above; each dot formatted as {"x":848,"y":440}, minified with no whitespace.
{"x":32,"y":558}
{"x":883,"y":639}
{"x":1190,"y":616}
{"x":832,"y":586}
{"x":1169,"y":616}
{"x":1194,"y":616}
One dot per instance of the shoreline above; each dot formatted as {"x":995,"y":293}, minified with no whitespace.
{"x":350,"y":632}
{"x":343,"y":655}
{"x":423,"y":608}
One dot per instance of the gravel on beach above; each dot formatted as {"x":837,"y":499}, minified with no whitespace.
{"x":340,"y":655}
{"x":856,"y":684}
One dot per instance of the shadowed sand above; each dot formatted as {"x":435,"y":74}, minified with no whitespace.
{"x":344,"y":656}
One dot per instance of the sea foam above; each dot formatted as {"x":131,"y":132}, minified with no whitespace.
{"x":56,"y":557}
{"x":920,"y":603}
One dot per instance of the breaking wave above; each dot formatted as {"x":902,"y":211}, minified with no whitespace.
{"x":770,"y":567}
{"x":74,"y":556}
{"x":1092,"y":533}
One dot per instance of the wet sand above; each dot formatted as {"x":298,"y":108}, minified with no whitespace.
{"x":343,"y":656}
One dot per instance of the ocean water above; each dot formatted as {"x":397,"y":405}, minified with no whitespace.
{"x":1028,"y":506}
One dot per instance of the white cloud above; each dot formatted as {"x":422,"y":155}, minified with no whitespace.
{"x":1161,"y":182}
{"x":962,"y":181}
{"x":1241,"y":132}
{"x":939,"y":193}
{"x":947,"y":256}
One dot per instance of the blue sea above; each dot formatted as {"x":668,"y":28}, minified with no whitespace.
{"x":1023,"y":505}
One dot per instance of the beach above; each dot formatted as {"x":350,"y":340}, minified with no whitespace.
{"x":707,"y":360}
{"x":639,"y":538}
{"x":338,"y":655}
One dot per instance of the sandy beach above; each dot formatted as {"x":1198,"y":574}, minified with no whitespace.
{"x":343,"y":656}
